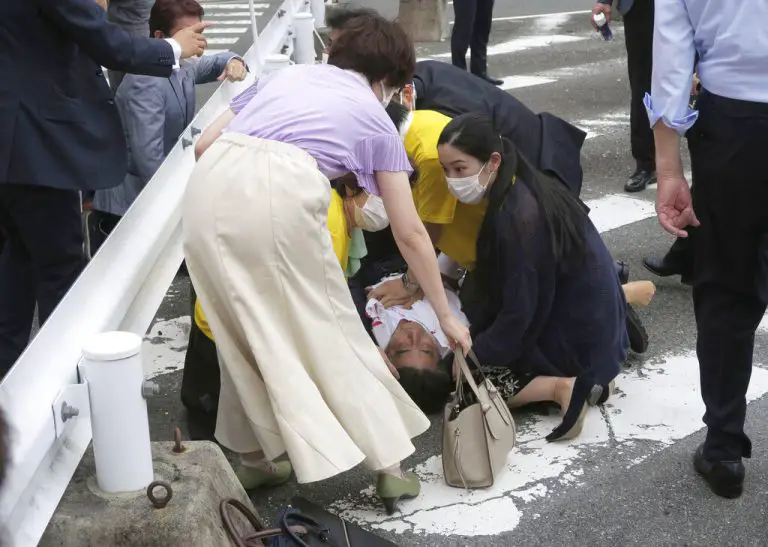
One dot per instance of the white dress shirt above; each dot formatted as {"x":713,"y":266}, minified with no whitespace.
{"x":731,"y":38}
{"x":385,"y":320}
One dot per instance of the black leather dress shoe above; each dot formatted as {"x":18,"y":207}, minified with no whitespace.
{"x":725,"y":478}
{"x":640,"y":180}
{"x":666,"y":266}
{"x":622,"y":271}
{"x":494,"y":81}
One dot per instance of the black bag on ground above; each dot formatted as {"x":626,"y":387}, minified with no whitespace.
{"x":302,"y":524}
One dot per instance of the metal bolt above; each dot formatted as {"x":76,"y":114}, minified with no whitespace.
{"x":68,"y":411}
{"x":195,"y":131}
{"x":149,"y":389}
{"x":178,"y":448}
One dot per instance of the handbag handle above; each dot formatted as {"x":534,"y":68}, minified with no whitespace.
{"x":464,"y":370}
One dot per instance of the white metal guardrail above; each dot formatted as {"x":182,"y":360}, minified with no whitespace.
{"x":120,"y":289}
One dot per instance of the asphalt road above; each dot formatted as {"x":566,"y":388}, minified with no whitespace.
{"x":627,"y":480}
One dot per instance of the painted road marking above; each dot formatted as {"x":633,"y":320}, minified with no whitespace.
{"x":224,"y":5}
{"x":539,"y":15}
{"x":615,"y":210}
{"x":226,"y":30}
{"x":165,"y":347}
{"x":522,"y":44}
{"x":655,"y":406}
{"x":223,"y":40}
{"x":518,"y":82}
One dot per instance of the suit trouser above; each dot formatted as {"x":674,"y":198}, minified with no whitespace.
{"x":727,"y":147}
{"x":42,"y":257}
{"x":638,"y":35}
{"x":471,"y":29}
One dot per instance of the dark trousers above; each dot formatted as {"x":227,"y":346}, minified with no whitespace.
{"x":638,"y":35}
{"x":727,"y":146}
{"x":471,"y":29}
{"x":40,"y":260}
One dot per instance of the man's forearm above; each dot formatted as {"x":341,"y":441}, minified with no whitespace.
{"x":668,"y":160}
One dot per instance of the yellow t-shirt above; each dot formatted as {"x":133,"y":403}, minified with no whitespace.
{"x":337,"y":226}
{"x":434,"y":202}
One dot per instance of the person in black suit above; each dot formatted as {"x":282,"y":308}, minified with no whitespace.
{"x":60,"y":133}
{"x":472,"y":30}
{"x":551,"y":143}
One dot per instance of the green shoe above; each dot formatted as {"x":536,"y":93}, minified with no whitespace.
{"x":392,"y":489}
{"x":267,"y":474}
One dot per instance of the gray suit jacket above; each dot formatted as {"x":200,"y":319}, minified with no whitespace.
{"x":622,"y":5}
{"x":155,"y":112}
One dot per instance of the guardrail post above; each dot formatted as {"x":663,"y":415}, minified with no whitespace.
{"x":254,"y":31}
{"x":119,"y":420}
{"x":275,"y":62}
{"x":318,"y":11}
{"x":304,"y":48}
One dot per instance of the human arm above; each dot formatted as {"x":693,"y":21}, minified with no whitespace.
{"x":213,"y":132}
{"x":435,"y":206}
{"x":669,"y":113}
{"x":85,"y":23}
{"x":417,"y":250}
{"x":141,"y":100}
{"x":226,"y":65}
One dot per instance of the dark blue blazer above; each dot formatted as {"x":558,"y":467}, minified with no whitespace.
{"x":551,"y":143}
{"x":59,"y":126}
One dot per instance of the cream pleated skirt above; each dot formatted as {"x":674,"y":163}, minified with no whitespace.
{"x":299,"y":373}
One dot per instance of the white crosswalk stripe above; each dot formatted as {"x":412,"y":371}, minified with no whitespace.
{"x":231,"y":21}
{"x":658,"y":401}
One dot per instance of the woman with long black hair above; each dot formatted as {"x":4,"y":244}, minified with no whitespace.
{"x":546,"y":308}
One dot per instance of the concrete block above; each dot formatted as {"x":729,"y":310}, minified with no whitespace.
{"x":425,"y":20}
{"x":200,"y":478}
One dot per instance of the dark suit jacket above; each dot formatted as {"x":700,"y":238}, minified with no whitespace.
{"x":59,"y":125}
{"x":551,"y":143}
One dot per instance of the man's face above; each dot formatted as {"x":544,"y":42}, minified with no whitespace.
{"x":412,"y":346}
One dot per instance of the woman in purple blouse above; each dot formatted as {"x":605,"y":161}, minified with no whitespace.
{"x":299,"y":373}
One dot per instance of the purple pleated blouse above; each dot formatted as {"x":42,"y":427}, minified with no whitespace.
{"x":330,"y":113}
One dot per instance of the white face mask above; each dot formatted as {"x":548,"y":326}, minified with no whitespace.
{"x":386,"y":94}
{"x":469,"y":189}
{"x":373,"y":216}
{"x":325,"y":57}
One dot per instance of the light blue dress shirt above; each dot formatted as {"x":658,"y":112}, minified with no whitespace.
{"x":731,"y":38}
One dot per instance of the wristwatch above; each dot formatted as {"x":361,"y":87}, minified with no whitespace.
{"x":407,"y":283}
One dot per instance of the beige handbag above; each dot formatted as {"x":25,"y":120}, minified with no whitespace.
{"x":478,"y":430}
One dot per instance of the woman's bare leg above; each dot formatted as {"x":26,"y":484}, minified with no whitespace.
{"x":542,"y":389}
{"x":639,"y":293}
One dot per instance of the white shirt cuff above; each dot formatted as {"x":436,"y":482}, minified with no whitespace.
{"x":176,"y":52}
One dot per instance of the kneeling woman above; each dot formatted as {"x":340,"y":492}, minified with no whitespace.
{"x":545,"y":305}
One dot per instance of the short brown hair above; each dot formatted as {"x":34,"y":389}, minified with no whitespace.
{"x":165,"y":13}
{"x":377,"y":48}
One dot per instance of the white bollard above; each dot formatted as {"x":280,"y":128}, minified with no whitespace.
{"x":318,"y":12}
{"x":121,"y":446}
{"x":304,"y":48}
{"x":275,"y":62}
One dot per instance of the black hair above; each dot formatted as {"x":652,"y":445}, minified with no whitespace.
{"x":562,"y":214}
{"x":398,"y":113}
{"x":337,"y":18}
{"x":429,"y":388}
